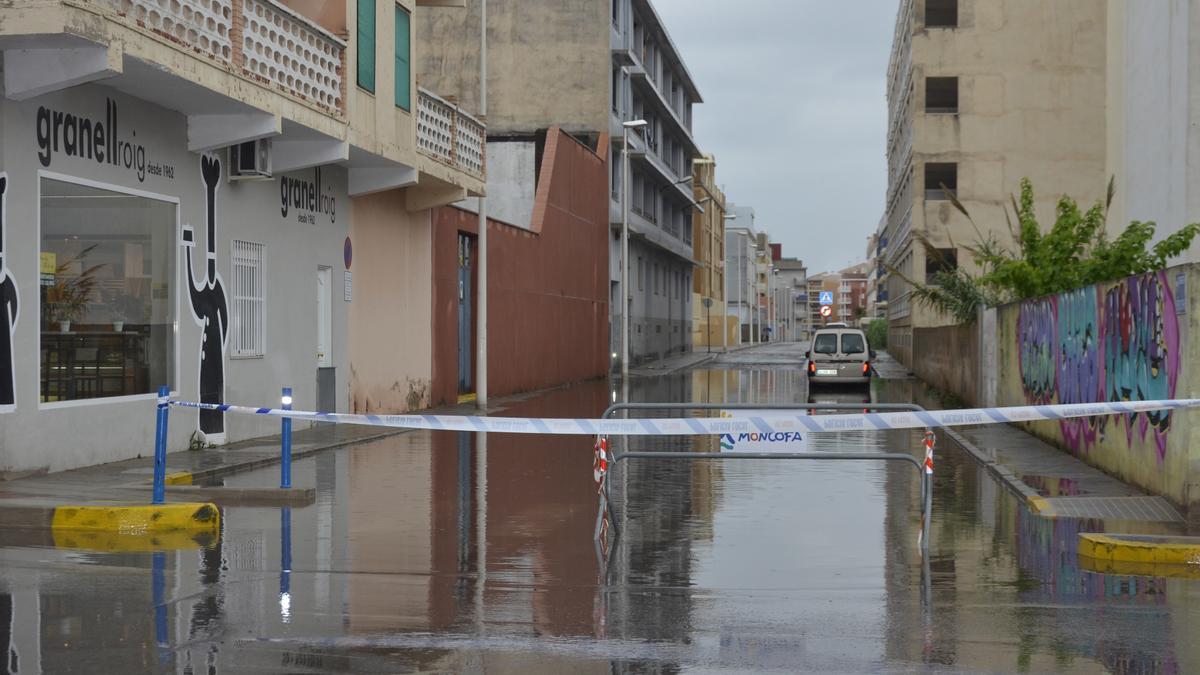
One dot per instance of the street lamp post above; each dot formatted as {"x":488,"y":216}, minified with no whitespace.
{"x":626,"y":296}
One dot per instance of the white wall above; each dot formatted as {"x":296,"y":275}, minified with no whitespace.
{"x":1154,"y":143}
{"x":57,"y":436}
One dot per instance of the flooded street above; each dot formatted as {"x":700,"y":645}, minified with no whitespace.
{"x":418,"y":558}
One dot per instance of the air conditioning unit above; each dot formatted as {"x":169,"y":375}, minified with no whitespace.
{"x":250,"y":160}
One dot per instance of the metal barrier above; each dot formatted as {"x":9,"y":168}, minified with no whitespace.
{"x":924,"y":469}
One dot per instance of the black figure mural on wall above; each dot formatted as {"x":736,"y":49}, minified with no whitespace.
{"x":8,"y":312}
{"x":209,"y":307}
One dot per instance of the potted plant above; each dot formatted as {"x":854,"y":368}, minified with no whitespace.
{"x":124,"y":308}
{"x":67,"y":298}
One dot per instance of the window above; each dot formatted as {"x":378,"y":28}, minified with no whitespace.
{"x":366,"y":45}
{"x":853,"y":343}
{"x":656,"y":283}
{"x":941,"y":13}
{"x":941,"y":94}
{"x":940,"y":179}
{"x":616,"y":90}
{"x":825,"y":343}
{"x":246,"y":319}
{"x":107,"y":292}
{"x":641,"y":274}
{"x":939,"y":260}
{"x":403,"y":72}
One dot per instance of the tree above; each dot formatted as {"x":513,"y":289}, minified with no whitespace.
{"x":1074,"y":252}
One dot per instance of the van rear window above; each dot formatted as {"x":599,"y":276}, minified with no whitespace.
{"x":825,"y":343}
{"x":853,"y":343}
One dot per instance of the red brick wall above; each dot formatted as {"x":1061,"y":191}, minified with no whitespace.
{"x":548,"y":288}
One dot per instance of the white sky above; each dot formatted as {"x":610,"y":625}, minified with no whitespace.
{"x":795,"y":112}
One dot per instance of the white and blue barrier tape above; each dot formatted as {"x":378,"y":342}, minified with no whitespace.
{"x":708,"y":426}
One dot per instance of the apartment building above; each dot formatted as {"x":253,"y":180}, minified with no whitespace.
{"x":790,"y":297}
{"x":192,"y":182}
{"x":711,"y":328}
{"x":741,"y":267}
{"x":603,"y":64}
{"x":851,"y":297}
{"x":980,"y":94}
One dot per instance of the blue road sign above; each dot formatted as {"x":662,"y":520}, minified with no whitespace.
{"x":826,"y":298}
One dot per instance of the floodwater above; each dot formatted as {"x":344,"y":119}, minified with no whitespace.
{"x":432,"y":552}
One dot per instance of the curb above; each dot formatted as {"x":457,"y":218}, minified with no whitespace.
{"x":1037,"y":504}
{"x":194,"y":477}
{"x":1140,"y":549}
{"x":137,"y":519}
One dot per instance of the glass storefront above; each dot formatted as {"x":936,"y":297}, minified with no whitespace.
{"x":107,"y":292}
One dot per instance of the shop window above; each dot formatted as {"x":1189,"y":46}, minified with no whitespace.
{"x":107,"y":292}
{"x":246,"y":321}
{"x":366,"y":44}
{"x":403,"y":71}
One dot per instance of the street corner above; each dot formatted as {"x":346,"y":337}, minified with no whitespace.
{"x":1139,"y":550}
{"x":1040,"y":506}
{"x":179,"y":478}
{"x":137,"y":519}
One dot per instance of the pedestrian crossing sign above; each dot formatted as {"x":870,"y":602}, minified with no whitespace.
{"x":826,"y":298}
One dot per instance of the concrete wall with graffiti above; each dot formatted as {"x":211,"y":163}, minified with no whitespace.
{"x":1119,"y":341}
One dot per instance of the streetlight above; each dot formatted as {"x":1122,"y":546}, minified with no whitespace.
{"x":626,"y":296}
{"x":725,"y":292}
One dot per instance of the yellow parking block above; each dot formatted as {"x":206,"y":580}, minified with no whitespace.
{"x":179,"y":478}
{"x":1136,"y":569}
{"x":138,"y":519}
{"x":1145,"y":549}
{"x":114,"y":542}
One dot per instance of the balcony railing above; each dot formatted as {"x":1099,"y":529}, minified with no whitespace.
{"x":449,"y":135}
{"x":271,"y":43}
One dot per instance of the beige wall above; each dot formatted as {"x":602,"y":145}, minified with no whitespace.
{"x":1032,"y":97}
{"x":391,"y":316}
{"x":548,"y":62}
{"x":376,"y":124}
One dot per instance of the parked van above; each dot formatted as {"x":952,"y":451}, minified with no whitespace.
{"x":839,"y":356}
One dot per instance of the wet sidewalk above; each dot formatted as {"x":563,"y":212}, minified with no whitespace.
{"x":130,"y":480}
{"x":1051,"y":481}
{"x":1055,"y":483}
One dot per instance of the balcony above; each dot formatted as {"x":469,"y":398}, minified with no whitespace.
{"x":449,"y":135}
{"x":272,"y":44}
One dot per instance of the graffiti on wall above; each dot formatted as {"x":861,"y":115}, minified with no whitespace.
{"x":1035,"y":330}
{"x":1079,"y":347}
{"x":1141,"y":350}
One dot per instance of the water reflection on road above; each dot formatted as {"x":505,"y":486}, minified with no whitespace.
{"x":411,"y":560}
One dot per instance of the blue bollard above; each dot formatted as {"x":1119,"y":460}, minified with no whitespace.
{"x":285,"y":442}
{"x":160,"y":445}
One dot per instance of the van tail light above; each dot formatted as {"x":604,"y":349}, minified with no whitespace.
{"x":812,"y":368}
{"x":866,"y":367}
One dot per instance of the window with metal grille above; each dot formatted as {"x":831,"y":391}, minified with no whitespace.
{"x":246,"y":335}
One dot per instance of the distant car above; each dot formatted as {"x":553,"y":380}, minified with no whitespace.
{"x":839,"y":355}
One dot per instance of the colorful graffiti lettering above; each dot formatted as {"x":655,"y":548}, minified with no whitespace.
{"x":1141,"y":350}
{"x":1075,"y":348}
{"x":1035,"y":343}
{"x":1080,"y":376}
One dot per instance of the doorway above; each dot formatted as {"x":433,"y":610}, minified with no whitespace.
{"x":326,"y":378}
{"x":466,"y":320}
